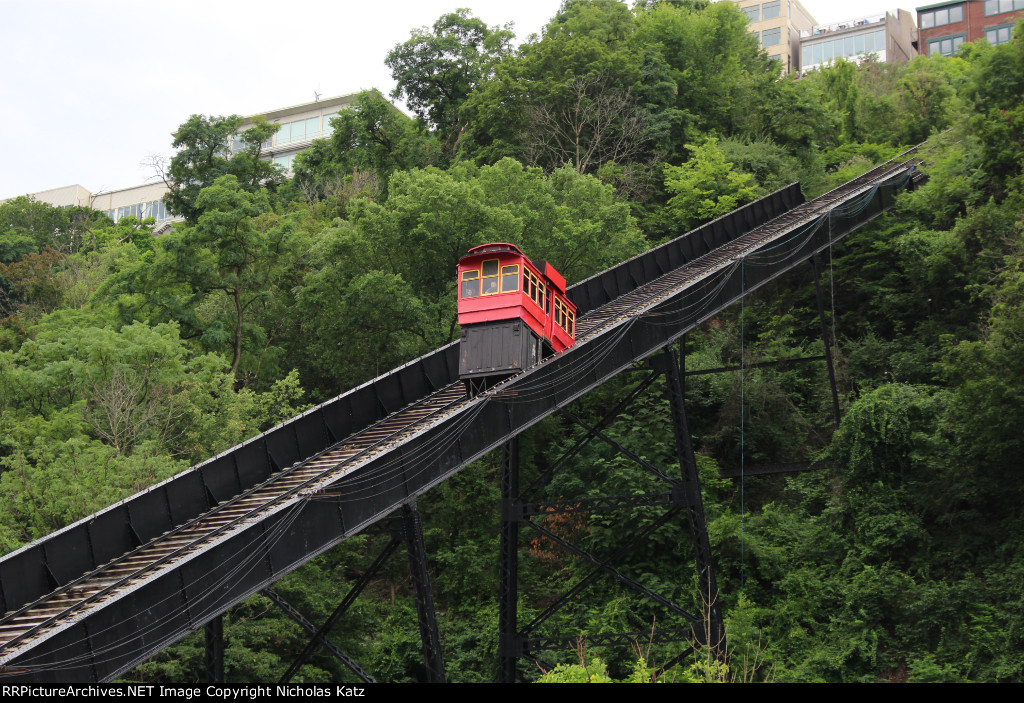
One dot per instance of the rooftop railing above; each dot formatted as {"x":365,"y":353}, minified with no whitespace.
{"x":844,"y":25}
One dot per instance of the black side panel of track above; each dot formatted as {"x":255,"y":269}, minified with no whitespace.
{"x":92,"y":542}
{"x":24,"y":576}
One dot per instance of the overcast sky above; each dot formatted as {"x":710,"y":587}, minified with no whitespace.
{"x":91,"y":89}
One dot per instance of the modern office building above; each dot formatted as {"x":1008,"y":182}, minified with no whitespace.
{"x":946,"y":26}
{"x":891,"y":37}
{"x":778,"y":25}
{"x":138,"y":201}
{"x":300,"y":125}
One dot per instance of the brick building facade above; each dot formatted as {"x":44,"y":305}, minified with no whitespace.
{"x":944,"y":27}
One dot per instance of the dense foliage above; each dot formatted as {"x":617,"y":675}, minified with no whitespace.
{"x":125,"y":358}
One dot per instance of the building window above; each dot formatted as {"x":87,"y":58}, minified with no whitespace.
{"x":154,"y":208}
{"x":771,"y":10}
{"x":999,"y":35}
{"x":942,"y":16}
{"x":327,"y":128}
{"x":771,"y":37}
{"x":300,"y":130}
{"x":285,"y":162}
{"x":843,"y":48}
{"x":998,"y":7}
{"x":753,"y":13}
{"x":947,"y":46}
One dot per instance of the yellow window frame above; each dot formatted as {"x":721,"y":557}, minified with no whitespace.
{"x":565,"y":318}
{"x":468,"y":276}
{"x":503,"y":273}
{"x":496,"y":276}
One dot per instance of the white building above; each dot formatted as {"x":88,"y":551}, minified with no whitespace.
{"x":138,"y":201}
{"x":891,"y":37}
{"x":300,"y":125}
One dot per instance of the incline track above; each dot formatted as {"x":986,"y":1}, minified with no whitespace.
{"x":19,"y":627}
{"x":97,"y":586}
{"x":648,"y":295}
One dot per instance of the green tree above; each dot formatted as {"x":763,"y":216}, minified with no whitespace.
{"x":370,"y":141}
{"x":27,"y":225}
{"x":210,"y":147}
{"x":927,"y":97}
{"x":552,"y":86}
{"x":995,"y":89}
{"x":706,"y":186}
{"x":35,"y":281}
{"x":721,"y":76}
{"x":214,"y":277}
{"x":90,"y":415}
{"x":437,"y":69}
{"x":839,"y":82}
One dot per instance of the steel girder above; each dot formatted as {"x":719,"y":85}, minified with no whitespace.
{"x":713,"y":634}
{"x":214,"y":654}
{"x":319,"y":638}
{"x":508,"y":565}
{"x":430,"y":637}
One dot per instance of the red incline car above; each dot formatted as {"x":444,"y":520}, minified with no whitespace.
{"x":512,"y":312}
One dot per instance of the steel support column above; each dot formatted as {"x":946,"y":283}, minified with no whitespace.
{"x":714,"y":629}
{"x":509,"y":648}
{"x":816,"y":265}
{"x":214,"y":659}
{"x":433,"y":657}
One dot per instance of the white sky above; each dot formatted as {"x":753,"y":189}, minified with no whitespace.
{"x":91,"y":89}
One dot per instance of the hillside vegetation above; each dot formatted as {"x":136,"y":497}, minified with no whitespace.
{"x":125,"y":358}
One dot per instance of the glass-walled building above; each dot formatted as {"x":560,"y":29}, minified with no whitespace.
{"x":889,"y":37}
{"x":300,"y":125}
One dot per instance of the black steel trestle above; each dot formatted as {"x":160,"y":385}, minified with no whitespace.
{"x":683,"y":497}
{"x":233,"y":525}
{"x":408,"y":528}
{"x":214,"y":657}
{"x":433,"y":656}
{"x":318,"y":638}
